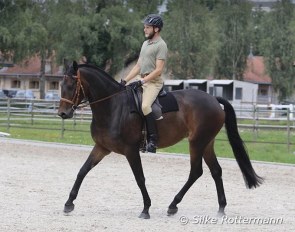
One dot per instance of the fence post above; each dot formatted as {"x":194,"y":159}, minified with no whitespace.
{"x":32,"y":112}
{"x":62,"y":128}
{"x":255,"y":121}
{"x":74,"y":120}
{"x":273,"y":111}
{"x":288,"y":128}
{"x":291,"y":111}
{"x":8,"y":113}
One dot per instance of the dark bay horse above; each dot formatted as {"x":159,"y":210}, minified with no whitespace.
{"x":114,"y":128}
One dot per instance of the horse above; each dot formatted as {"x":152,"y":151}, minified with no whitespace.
{"x":115,"y":129}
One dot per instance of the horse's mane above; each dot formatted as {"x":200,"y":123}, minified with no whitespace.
{"x":101,"y":71}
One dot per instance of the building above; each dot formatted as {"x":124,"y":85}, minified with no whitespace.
{"x":237,"y":92}
{"x":256,"y":73}
{"x":27,"y":77}
{"x":255,"y":89}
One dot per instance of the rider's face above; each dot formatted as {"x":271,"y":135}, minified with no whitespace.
{"x":149,"y":31}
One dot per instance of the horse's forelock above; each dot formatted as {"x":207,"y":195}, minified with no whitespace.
{"x":70,"y":71}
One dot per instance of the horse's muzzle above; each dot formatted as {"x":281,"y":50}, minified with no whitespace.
{"x":65,"y":115}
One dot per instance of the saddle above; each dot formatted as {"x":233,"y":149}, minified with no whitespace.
{"x":165,"y":102}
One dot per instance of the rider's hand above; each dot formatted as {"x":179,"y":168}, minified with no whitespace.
{"x":123,"y":82}
{"x":136,"y":84}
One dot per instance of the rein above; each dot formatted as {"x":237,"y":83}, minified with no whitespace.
{"x":79,"y":87}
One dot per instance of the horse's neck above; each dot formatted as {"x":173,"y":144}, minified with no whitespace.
{"x":100,"y":87}
{"x":108,"y":111}
{"x":103,"y":95}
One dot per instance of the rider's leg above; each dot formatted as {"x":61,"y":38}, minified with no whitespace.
{"x":152,"y":133}
{"x":150,"y":93}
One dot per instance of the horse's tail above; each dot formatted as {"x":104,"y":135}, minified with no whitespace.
{"x":238,"y":146}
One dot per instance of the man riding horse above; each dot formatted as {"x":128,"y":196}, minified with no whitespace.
{"x":150,"y":66}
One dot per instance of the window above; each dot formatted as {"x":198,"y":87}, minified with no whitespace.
{"x":239,"y":93}
{"x":263,"y":91}
{"x":15,"y":84}
{"x":218,"y":91}
{"x":53,"y":85}
{"x":193,"y":87}
{"x":34,"y":85}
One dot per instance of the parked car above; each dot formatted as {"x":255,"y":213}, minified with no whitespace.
{"x":9,"y":92}
{"x":25,"y":94}
{"x":2,"y":94}
{"x":52,"y":96}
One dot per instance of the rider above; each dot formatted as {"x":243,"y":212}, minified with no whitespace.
{"x":150,"y":66}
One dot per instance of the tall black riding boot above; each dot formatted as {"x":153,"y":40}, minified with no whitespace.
{"x":151,"y":133}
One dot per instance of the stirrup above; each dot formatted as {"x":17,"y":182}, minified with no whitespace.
{"x":150,"y":147}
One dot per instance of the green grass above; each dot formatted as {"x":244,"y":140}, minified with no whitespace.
{"x":257,"y":151}
{"x":78,"y":132}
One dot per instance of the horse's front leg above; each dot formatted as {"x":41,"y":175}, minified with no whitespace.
{"x":96,"y":155}
{"x":136,"y":166}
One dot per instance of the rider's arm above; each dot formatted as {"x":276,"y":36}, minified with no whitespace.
{"x":133,"y":73}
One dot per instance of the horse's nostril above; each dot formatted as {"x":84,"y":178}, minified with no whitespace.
{"x":62,"y":115}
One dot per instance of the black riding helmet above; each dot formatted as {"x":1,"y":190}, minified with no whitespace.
{"x":154,"y":20}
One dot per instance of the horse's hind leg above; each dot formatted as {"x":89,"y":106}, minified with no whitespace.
{"x":216,"y":172}
{"x":196,"y":171}
{"x":94,"y":158}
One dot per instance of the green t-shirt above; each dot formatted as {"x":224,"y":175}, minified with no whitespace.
{"x":150,"y":52}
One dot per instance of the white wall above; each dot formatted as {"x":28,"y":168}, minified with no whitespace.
{"x":249,"y":92}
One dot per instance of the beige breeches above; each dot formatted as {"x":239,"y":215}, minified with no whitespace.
{"x":150,"y":93}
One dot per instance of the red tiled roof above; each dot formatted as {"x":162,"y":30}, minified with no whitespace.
{"x":255,"y":71}
{"x":31,"y":66}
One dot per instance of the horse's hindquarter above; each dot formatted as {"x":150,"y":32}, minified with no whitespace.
{"x":199,"y":114}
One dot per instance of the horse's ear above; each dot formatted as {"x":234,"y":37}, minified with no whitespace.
{"x":75,"y":66}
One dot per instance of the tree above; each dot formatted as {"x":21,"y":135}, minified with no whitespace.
{"x":118,"y":36}
{"x":5,"y":34}
{"x":257,"y":34}
{"x":119,"y":33}
{"x":109,"y":36}
{"x":233,"y":20}
{"x":189,"y":33}
{"x":279,"y":49}
{"x":211,"y":4}
{"x":36,"y":29}
{"x":13,"y":18}
{"x":143,"y":7}
{"x":23,"y":35}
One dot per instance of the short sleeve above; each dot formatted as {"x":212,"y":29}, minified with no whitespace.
{"x":162,"y":51}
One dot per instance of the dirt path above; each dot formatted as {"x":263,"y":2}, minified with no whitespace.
{"x":36,"y":179}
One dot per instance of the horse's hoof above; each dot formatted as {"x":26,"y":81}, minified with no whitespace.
{"x":144,"y":216}
{"x":220,"y":213}
{"x":69,"y":208}
{"x":172,"y":211}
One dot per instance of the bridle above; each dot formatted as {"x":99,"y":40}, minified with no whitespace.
{"x":75,"y":100}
